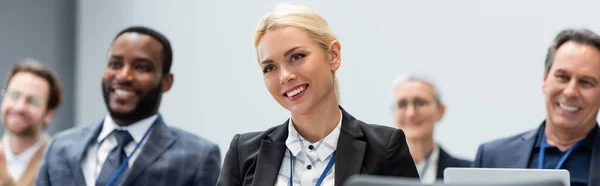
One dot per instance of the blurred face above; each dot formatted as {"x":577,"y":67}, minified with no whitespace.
{"x":296,"y":69}
{"x":571,"y":86}
{"x":416,"y":110}
{"x":24,"y":106}
{"x":133,"y":82}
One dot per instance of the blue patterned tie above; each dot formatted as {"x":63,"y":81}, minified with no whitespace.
{"x":115,"y":158}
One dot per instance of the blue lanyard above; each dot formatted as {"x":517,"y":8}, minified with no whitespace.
{"x":125,"y":163}
{"x":426,"y":164}
{"x":329,"y":165}
{"x":562,"y":159}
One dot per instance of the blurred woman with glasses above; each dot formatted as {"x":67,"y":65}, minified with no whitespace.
{"x":417,"y":108}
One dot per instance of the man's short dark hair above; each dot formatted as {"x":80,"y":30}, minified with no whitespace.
{"x":38,"y":69}
{"x":167,"y":51}
{"x":581,"y":36}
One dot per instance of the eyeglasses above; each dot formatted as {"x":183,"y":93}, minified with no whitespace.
{"x":15,"y":96}
{"x":416,"y":103}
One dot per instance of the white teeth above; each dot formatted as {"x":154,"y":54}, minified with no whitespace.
{"x":294,"y":92}
{"x":123,"y":92}
{"x":568,"y":108}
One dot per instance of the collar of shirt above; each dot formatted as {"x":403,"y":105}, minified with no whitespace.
{"x":588,"y":141}
{"x":137,"y":129}
{"x":24,"y":156}
{"x":430,"y":175}
{"x":296,"y":143}
{"x":17,"y":163}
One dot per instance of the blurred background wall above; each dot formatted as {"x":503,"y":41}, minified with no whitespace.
{"x":45,"y":31}
{"x":486,"y":57}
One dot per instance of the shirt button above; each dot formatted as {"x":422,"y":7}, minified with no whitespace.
{"x":311,"y":147}
{"x":309,"y":167}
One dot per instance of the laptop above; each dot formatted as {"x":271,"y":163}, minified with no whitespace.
{"x":501,"y":175}
{"x":371,"y":180}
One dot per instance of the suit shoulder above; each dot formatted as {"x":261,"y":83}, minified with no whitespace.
{"x":248,"y":143}
{"x":192,"y":140}
{"x":73,"y":132}
{"x":504,"y":141}
{"x":379,"y":137}
{"x":379,"y":131}
{"x":377,"y":127}
{"x":256,"y":137}
{"x":71,"y":137}
{"x":451,"y":160}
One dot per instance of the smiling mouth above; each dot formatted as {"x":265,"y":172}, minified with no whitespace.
{"x":568,"y":108}
{"x":122,"y":93}
{"x":296,"y":91}
{"x":19,"y":117}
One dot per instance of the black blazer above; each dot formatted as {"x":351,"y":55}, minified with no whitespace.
{"x":255,"y":158}
{"x":445,"y":161}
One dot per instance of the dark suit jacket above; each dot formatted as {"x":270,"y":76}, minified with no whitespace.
{"x":515,"y":151}
{"x":445,"y":161}
{"x":170,"y":157}
{"x":255,"y":158}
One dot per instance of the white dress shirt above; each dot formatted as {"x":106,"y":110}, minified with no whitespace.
{"x":17,"y":163}
{"x":97,"y":154}
{"x":430,"y":175}
{"x":316,"y":158}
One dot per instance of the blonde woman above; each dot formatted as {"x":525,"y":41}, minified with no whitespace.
{"x":321,"y":143}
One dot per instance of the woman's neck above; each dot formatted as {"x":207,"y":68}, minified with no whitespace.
{"x":319,"y":122}
{"x":419,"y":149}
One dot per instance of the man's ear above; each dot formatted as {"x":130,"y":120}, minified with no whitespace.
{"x":48,"y":117}
{"x":442,"y":110}
{"x":167,"y":82}
{"x":544,"y":81}
{"x":335,"y":58}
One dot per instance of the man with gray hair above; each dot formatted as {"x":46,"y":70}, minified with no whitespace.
{"x":417,"y":108}
{"x":567,"y":139}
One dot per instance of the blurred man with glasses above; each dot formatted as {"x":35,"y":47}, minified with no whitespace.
{"x":31,"y":95}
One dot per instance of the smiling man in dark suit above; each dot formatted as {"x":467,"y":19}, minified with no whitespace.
{"x":568,"y":138}
{"x":132,"y":145}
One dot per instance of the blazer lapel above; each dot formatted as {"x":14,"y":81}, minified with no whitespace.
{"x":521,"y":150}
{"x":31,"y":172}
{"x":594,"y":175}
{"x":158,"y":142}
{"x":88,"y":135}
{"x":270,"y":157}
{"x":350,"y":149}
{"x":443,"y":159}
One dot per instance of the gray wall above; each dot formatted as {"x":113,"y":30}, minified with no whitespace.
{"x":94,"y":35}
{"x":43,"y":30}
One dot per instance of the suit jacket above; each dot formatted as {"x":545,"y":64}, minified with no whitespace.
{"x":445,"y":161}
{"x":255,"y":158}
{"x":31,"y":172}
{"x":170,"y":157}
{"x":515,"y":151}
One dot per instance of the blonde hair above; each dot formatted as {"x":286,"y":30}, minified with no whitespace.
{"x":284,"y":15}
{"x":297,"y":16}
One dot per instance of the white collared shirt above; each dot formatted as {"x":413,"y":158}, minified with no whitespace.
{"x":17,"y":163}
{"x":316,"y":158}
{"x":430,"y":175}
{"x":97,"y":153}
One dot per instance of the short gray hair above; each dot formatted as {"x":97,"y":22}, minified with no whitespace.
{"x":581,"y":36}
{"x":419,"y":78}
